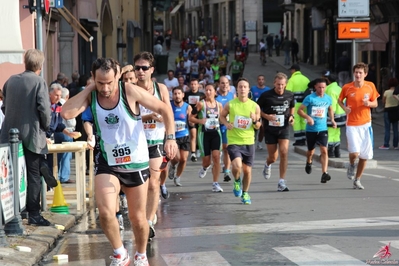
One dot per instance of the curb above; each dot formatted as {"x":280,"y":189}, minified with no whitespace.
{"x":40,"y":239}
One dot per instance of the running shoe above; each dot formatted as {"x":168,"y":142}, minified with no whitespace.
{"x":177,"y":181}
{"x":245,"y":198}
{"x":151,"y":233}
{"x":282,"y":187}
{"x":120,"y":221}
{"x":325,"y":177}
{"x":267,"y":171}
{"x":351,"y":172}
{"x":259,"y":146}
{"x":193,"y":157}
{"x":140,"y":261}
{"x":237,"y":188}
{"x":155,"y":220}
{"x":383,"y":147}
{"x":202,"y":172}
{"x":308,"y":168}
{"x":172,"y":171}
{"x":117,"y":260}
{"x":164,"y":192}
{"x":357,"y":185}
{"x":227,"y":177}
{"x":216,"y":187}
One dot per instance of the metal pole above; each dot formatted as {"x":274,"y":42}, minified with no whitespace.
{"x":39,"y":28}
{"x":354,"y":55}
{"x":15,"y":227}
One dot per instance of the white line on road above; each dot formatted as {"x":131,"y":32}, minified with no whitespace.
{"x":325,"y":255}
{"x":209,"y":258}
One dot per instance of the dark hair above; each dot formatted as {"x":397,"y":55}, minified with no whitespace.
{"x":242,"y":79}
{"x":320,"y":80}
{"x":332,"y":78}
{"x":393,"y":82}
{"x":177,"y":88}
{"x":105,"y":64}
{"x":193,"y":79}
{"x":170,"y":70}
{"x":83,"y":80}
{"x":147,"y":56}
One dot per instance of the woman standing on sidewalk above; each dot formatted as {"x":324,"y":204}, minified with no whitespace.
{"x":391,"y":114}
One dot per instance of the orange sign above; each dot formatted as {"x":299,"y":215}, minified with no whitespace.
{"x":353,"y":30}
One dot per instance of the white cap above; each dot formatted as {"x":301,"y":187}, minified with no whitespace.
{"x":228,"y":77}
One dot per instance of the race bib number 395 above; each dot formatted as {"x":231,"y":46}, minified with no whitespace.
{"x":120,"y":154}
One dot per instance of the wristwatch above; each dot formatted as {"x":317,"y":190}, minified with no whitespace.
{"x":170,"y":137}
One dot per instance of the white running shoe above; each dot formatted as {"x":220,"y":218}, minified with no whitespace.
{"x":357,"y":185}
{"x":176,"y":180}
{"x":140,"y":261}
{"x":120,"y":221}
{"x":202,"y":172}
{"x":267,"y":171}
{"x":282,"y":187}
{"x":216,"y":187}
{"x":351,"y":171}
{"x":259,"y":146}
{"x":117,"y":260}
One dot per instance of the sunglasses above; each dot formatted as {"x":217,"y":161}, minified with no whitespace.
{"x":144,"y":68}
{"x":164,"y":163}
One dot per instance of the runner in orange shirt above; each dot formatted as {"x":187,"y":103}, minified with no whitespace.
{"x":360,"y":97}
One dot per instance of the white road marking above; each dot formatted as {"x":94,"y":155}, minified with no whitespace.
{"x":98,"y":262}
{"x":211,"y":258}
{"x":323,"y":255}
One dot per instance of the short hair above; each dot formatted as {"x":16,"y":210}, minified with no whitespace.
{"x":83,"y":80}
{"x":105,"y":64}
{"x":320,"y":80}
{"x":170,"y":70}
{"x":212,"y":85}
{"x":261,"y":75}
{"x":393,"y":82}
{"x":361,"y":65}
{"x":75,"y":76}
{"x":34,"y":60}
{"x":280,"y":75}
{"x":331,"y":78}
{"x":242,"y":79}
{"x":193,"y":79}
{"x":55,"y":87}
{"x":64,"y":93}
{"x":177,"y":88}
{"x":144,"y":56}
{"x":61,"y":76}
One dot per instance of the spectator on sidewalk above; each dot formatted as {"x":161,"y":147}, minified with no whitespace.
{"x":286,"y":47}
{"x":294,"y":51}
{"x":343,"y":68}
{"x":158,"y":48}
{"x":171,"y":81}
{"x":27,"y":93}
{"x":277,"y":43}
{"x":269,"y":42}
{"x":168,"y":39}
{"x":391,"y":115}
{"x":75,"y":82}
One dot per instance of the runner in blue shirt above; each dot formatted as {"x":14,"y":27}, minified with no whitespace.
{"x":256,"y":91}
{"x":318,"y":104}
{"x":224,"y":96}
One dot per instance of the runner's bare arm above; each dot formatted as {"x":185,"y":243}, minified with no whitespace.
{"x":77,"y":104}
{"x":223,"y":116}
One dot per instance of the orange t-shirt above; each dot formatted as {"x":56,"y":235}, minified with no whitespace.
{"x":354,"y":96}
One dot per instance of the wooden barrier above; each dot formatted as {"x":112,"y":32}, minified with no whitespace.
{"x":79,"y":149}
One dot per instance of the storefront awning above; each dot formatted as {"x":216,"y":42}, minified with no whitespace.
{"x":379,"y":36}
{"x":133,"y":29}
{"x":176,"y":8}
{"x":11,"y":49}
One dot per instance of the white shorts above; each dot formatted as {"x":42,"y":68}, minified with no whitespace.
{"x":360,"y":140}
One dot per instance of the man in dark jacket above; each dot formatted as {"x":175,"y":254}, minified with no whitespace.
{"x":26,"y":107}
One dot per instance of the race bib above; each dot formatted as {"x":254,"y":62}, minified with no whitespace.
{"x":150,"y":125}
{"x":242,"y":122}
{"x":180,"y":126}
{"x":120,"y":154}
{"x":193,"y":99}
{"x":212,"y":123}
{"x":318,"y":112}
{"x":279,"y":122}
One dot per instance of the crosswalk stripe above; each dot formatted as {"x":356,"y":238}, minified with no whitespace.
{"x":278,"y":227}
{"x":209,"y":258}
{"x":97,"y":262}
{"x":323,"y":255}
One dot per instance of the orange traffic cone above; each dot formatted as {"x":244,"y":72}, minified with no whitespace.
{"x":59,"y":203}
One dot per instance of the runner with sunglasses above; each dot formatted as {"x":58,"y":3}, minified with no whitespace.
{"x":181,"y":111}
{"x":121,"y":153}
{"x":154,"y":129}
